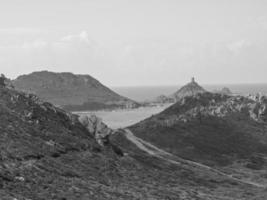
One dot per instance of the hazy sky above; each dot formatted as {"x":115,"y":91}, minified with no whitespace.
{"x":138,"y":42}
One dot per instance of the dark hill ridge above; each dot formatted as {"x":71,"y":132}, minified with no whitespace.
{"x":46,"y":153}
{"x":71,"y":92}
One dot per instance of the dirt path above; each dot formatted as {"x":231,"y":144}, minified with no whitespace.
{"x":159,"y":153}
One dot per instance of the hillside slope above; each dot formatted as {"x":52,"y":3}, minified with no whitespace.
{"x":46,"y":153}
{"x":227,"y":132}
{"x":208,"y":126}
{"x":71,"y":92}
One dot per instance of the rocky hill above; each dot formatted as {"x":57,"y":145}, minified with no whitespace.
{"x":228,"y":132}
{"x":189,"y":89}
{"x":209,"y":124}
{"x":48,"y":153}
{"x":72,"y":92}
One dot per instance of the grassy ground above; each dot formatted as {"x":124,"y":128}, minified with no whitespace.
{"x":46,"y":154}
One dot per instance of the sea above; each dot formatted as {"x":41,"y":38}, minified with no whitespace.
{"x":143,"y":93}
{"x":126,"y":117}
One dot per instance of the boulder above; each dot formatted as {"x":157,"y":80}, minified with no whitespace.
{"x":96,"y":127}
{"x":5,"y":82}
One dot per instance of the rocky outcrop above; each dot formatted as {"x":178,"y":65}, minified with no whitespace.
{"x":219,"y":105}
{"x":97,"y":128}
{"x":72,"y":92}
{"x":258,"y":109}
{"x":5,"y":82}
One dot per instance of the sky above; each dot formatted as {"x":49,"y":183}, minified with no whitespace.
{"x":137,"y":42}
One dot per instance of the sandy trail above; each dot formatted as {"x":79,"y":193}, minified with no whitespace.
{"x":159,"y":153}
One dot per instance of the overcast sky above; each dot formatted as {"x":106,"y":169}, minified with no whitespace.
{"x":138,"y":42}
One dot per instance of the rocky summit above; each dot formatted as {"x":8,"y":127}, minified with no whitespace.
{"x":72,"y":92}
{"x":189,"y":89}
{"x":48,"y":153}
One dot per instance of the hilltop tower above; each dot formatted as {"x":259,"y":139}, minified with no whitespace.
{"x":190,"y":89}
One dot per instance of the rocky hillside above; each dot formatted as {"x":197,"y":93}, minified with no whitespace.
{"x":228,"y":132}
{"x":47,"y":153}
{"x":72,"y":92}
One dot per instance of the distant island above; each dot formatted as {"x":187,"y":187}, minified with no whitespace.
{"x":189,"y":89}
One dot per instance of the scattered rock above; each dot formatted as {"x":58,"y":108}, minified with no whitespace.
{"x":20,"y":178}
